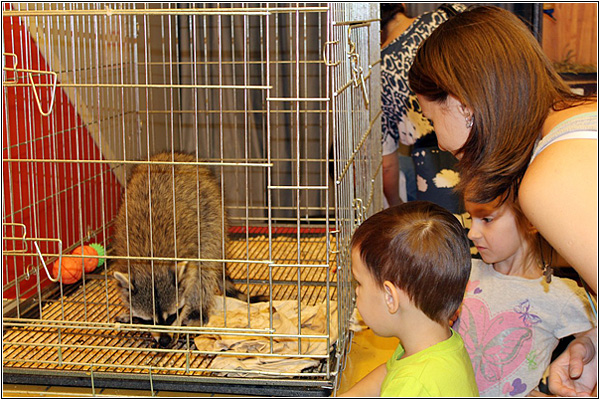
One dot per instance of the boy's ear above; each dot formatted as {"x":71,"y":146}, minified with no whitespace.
{"x":392,"y":297}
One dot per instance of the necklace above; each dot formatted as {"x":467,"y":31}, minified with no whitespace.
{"x":546,"y":268}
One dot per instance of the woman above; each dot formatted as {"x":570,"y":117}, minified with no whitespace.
{"x":498,"y":105}
{"x":430,"y":174}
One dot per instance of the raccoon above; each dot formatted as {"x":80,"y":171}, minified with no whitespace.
{"x":168,"y":207}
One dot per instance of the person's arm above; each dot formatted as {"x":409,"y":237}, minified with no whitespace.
{"x":575,"y":372}
{"x":370,"y":385}
{"x":559,"y":196}
{"x":391,"y":177}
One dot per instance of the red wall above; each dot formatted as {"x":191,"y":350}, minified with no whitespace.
{"x":54,"y":200}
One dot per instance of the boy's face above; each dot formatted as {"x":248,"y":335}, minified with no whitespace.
{"x":370,"y":297}
{"x":494,"y":232}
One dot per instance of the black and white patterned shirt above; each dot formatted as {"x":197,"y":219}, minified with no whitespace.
{"x":402,"y":119}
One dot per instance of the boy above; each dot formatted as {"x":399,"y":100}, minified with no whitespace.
{"x":411,"y":263}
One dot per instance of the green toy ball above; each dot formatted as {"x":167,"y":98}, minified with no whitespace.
{"x":100,"y":250}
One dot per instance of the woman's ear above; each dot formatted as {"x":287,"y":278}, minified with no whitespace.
{"x":465,"y":110}
{"x":392,"y":297}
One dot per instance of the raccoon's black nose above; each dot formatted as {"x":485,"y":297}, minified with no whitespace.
{"x":164,"y":341}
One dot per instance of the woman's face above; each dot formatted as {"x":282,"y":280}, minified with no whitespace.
{"x":449,"y":120}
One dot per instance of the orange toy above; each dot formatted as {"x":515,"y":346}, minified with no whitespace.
{"x":72,"y":270}
{"x":89,"y":264}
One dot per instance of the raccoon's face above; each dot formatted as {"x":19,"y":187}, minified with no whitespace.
{"x":151,"y":301}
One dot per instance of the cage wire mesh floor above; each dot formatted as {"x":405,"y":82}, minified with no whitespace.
{"x":52,"y":351}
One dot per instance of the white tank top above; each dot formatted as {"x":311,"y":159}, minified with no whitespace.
{"x":582,"y":126}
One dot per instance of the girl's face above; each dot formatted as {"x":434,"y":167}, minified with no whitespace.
{"x":370,"y":297}
{"x":495,"y":233}
{"x":449,"y":122}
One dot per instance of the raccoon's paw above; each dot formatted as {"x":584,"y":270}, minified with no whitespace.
{"x":123,"y":318}
{"x":127,"y":319}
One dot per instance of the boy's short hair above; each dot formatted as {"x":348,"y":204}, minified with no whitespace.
{"x":422,"y":249}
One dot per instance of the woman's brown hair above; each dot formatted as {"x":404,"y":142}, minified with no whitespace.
{"x":422,"y":249}
{"x":488,"y":59}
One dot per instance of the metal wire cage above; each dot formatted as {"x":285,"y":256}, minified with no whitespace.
{"x":280,"y":101}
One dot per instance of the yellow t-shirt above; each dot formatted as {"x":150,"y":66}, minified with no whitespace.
{"x":442,"y":370}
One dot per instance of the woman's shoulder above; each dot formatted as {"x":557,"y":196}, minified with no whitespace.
{"x":559,"y":196}
{"x":558,"y":153}
{"x":574,"y":123}
{"x":558,"y":173}
{"x":556,"y":118}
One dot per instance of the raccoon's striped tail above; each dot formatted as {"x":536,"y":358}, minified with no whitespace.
{"x":232,"y":291}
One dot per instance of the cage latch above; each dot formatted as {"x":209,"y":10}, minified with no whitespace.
{"x":359,"y":210}
{"x":357,"y":71}
{"x":325,"y":59}
{"x":30,"y":73}
{"x":24,"y":251}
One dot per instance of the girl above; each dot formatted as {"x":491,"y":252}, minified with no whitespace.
{"x":514,"y":312}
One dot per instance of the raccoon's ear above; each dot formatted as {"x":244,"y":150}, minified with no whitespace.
{"x":181,"y":267}
{"x":123,"y":280}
